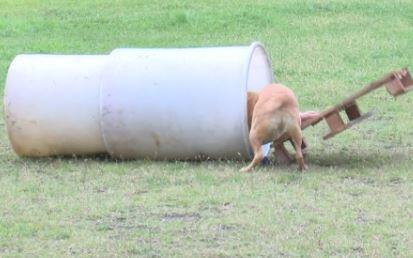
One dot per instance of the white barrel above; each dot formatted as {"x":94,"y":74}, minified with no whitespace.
{"x":51,"y":104}
{"x":180,"y":103}
{"x":135,"y":103}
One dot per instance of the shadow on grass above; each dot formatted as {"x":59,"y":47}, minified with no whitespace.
{"x":342,"y":159}
{"x":72,"y":158}
{"x":358,"y":158}
{"x":106,"y":158}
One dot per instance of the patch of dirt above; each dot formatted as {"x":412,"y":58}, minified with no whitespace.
{"x":181,"y":216}
{"x":396,"y":180}
{"x":223,"y":227}
{"x":124,"y":223}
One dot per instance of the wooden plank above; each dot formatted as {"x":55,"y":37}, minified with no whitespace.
{"x":350,"y":124}
{"x":353,"y":111}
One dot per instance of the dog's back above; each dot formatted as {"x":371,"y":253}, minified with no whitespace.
{"x":274,"y":114}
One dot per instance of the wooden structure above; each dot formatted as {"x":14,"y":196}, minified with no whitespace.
{"x":396,"y":83}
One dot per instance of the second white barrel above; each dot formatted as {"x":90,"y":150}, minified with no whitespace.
{"x":180,"y":103}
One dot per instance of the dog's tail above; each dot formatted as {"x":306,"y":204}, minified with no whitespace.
{"x":307,"y":116}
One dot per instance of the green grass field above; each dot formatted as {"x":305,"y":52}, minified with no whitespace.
{"x":355,"y":200}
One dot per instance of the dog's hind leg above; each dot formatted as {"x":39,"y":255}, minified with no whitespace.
{"x":281,"y":153}
{"x":297,"y":138}
{"x":258,"y":155}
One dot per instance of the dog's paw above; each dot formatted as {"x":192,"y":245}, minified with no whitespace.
{"x":245,"y":170}
{"x":303,"y":168}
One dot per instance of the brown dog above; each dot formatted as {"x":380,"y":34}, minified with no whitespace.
{"x":272,"y":113}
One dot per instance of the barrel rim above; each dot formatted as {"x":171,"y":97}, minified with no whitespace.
{"x":254,"y":45}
